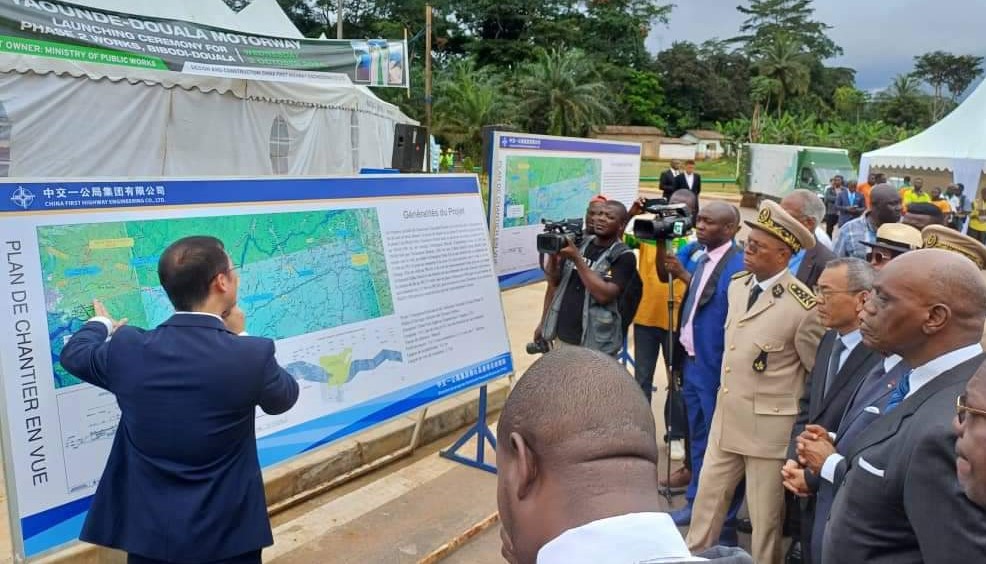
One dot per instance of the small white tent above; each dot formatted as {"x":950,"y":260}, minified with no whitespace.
{"x":68,"y":119}
{"x":956,"y":144}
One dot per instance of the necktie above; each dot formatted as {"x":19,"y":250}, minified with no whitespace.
{"x":900,"y":392}
{"x":692,"y":298}
{"x":837,"y":349}
{"x":754,"y":294}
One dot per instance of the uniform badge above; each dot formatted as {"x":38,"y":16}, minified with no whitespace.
{"x":778,"y":291}
{"x":804,"y":297}
{"x":931,"y":241}
{"x":760,"y":364}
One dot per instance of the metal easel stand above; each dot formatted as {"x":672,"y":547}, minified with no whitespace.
{"x":483,"y":434}
{"x":624,"y":357}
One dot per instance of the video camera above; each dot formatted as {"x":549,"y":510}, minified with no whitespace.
{"x":557,"y":234}
{"x":671,"y":221}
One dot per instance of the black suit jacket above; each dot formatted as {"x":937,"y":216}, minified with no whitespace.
{"x":680,"y":183}
{"x":900,"y":501}
{"x":826,"y":410}
{"x":182,"y":483}
{"x":817,"y":408}
{"x":667,"y":183}
{"x":813,"y":264}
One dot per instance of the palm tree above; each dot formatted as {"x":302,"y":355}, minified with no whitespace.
{"x":784,"y":61}
{"x":466,"y":99}
{"x":561,"y":93}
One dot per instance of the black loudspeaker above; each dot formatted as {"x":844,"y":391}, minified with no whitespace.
{"x":487,"y":132}
{"x":410,"y":146}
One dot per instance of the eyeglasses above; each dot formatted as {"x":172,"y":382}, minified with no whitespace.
{"x":825,"y":294}
{"x":879,"y":257}
{"x":961,"y":409}
{"x":755,"y":247}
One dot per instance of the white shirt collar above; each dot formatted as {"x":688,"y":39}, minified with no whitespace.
{"x":636,"y":537}
{"x":934,"y":368}
{"x":766,"y":284}
{"x":851,"y":339}
{"x":890,"y":362}
{"x":199,"y":313}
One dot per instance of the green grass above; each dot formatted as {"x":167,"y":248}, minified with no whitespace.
{"x":722,"y":168}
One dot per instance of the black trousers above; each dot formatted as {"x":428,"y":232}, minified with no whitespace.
{"x":830,"y":222}
{"x":252,"y":557}
{"x":648,"y":342}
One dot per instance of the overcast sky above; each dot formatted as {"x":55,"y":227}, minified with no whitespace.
{"x":879,"y":37}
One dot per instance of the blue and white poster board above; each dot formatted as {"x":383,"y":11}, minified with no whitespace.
{"x":379,"y":292}
{"x":535,"y":178}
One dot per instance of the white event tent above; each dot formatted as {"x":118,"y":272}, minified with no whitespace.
{"x":956,"y":144}
{"x":65,"y":119}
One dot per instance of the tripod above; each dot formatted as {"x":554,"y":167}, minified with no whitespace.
{"x":672,"y":381}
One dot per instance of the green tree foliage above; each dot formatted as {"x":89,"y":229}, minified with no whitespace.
{"x":904,"y":104}
{"x":793,"y":129}
{"x":945,"y":71}
{"x":643,"y":100}
{"x":467,"y":98}
{"x":702,"y":84}
{"x":767,"y":19}
{"x":560,"y":93}
{"x":784,"y":61}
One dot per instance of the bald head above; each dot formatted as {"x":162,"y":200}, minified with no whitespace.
{"x":924,"y":304}
{"x":686,"y":197}
{"x":722,"y":210}
{"x":884,"y":204}
{"x":579,"y":406}
{"x":575,"y":443}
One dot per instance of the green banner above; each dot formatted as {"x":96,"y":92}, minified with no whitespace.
{"x":60,"y":30}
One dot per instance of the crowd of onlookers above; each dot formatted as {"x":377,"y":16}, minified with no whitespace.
{"x":825,"y":371}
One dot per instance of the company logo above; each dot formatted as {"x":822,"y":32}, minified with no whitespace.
{"x":22,"y":197}
{"x":237,"y":5}
{"x":505,"y":141}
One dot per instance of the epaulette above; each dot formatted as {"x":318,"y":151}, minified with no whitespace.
{"x":741,"y":274}
{"x":804,"y":297}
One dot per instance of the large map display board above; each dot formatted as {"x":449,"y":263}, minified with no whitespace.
{"x":379,"y":292}
{"x":536,"y":178}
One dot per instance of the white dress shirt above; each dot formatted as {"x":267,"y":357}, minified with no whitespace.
{"x":627,"y":539}
{"x":850,"y":341}
{"x":930,"y":370}
{"x":109,"y":324}
{"x":823,"y":238}
{"x":766,"y":284}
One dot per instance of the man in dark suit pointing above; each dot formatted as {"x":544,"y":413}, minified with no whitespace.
{"x":901,"y":500}
{"x":183,"y":483}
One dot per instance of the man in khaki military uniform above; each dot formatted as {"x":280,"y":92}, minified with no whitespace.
{"x":941,"y":237}
{"x":772,"y":333}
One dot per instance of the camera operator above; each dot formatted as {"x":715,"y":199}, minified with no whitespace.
{"x":551,"y":265}
{"x":652,"y":324}
{"x":585,"y":284}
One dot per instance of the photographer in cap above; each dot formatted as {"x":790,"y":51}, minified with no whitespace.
{"x":589,"y":280}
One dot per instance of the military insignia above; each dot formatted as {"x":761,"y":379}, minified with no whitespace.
{"x":764,"y":216}
{"x":760,"y":363}
{"x":803,"y":296}
{"x":741,"y":274}
{"x":931,"y":241}
{"x":778,"y":291}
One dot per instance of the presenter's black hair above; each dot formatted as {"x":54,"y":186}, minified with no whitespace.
{"x":187,"y":268}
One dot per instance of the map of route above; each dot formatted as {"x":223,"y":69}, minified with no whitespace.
{"x":553,"y":188}
{"x":300,"y":272}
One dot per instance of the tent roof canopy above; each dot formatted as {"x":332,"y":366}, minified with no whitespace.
{"x":261,"y":17}
{"x":960,"y":135}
